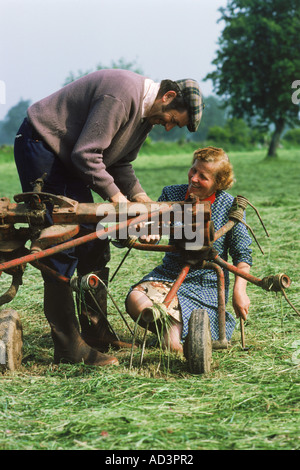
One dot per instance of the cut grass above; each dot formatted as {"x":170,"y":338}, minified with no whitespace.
{"x":249,"y":400}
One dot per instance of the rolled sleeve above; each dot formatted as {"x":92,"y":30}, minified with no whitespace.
{"x":239,"y":245}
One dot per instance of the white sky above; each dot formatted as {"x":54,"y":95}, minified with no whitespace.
{"x":42,"y":41}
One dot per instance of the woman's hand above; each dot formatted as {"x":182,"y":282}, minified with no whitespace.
{"x":151,"y":239}
{"x":241,"y":304}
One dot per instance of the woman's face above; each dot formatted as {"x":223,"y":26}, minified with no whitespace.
{"x":202,"y":179}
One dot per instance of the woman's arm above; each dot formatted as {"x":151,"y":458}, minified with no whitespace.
{"x":240,"y":299}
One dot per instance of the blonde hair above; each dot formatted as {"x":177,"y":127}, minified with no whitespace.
{"x":224,"y":176}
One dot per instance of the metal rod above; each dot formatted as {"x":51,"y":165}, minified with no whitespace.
{"x":239,"y":272}
{"x":119,"y":266}
{"x":228,"y":226}
{"x":242,"y":332}
{"x":74,"y":243}
{"x":171,"y":294}
{"x":221,"y":302}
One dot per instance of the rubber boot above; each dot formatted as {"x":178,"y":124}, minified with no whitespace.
{"x":95,"y":328}
{"x":69,"y":347}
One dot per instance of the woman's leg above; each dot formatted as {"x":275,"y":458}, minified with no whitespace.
{"x":136,"y":302}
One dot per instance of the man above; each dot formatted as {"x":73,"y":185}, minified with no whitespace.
{"x":84,"y":137}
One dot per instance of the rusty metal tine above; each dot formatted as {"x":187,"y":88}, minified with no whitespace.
{"x":120,"y":264}
{"x":115,"y":304}
{"x":252,"y":233}
{"x":103,"y":315}
{"x":144,"y":344}
{"x":258,"y":215}
{"x":242,"y":332}
{"x":289,"y":302}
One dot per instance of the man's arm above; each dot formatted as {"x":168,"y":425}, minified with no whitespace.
{"x":104,"y":121}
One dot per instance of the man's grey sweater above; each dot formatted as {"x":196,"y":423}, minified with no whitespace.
{"x":94,"y":125}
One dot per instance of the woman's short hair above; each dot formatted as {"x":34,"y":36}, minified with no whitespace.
{"x":224,"y":172}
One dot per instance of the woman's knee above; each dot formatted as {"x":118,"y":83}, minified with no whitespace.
{"x":136,"y":302}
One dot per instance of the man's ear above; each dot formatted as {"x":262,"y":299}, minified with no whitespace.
{"x":168,"y":97}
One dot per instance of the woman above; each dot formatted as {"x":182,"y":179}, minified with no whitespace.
{"x":210,"y":175}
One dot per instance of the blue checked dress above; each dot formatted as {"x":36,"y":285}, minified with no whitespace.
{"x":199,"y":289}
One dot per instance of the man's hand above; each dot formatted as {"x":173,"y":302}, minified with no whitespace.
{"x":151,"y":239}
{"x":141,"y":197}
{"x":119,"y":197}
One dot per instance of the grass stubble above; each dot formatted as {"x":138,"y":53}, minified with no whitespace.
{"x":249,"y":400}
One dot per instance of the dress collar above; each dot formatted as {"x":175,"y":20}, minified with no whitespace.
{"x":211,"y":198}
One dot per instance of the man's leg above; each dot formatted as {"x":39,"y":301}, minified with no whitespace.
{"x":33,"y":159}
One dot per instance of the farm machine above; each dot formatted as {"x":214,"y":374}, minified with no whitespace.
{"x":26,"y":239}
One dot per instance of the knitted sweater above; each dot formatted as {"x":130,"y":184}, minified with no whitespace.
{"x":94,"y":125}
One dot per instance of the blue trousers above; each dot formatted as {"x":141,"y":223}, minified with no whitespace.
{"x":34,"y":158}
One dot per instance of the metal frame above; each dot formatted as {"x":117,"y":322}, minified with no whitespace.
{"x":30,"y":208}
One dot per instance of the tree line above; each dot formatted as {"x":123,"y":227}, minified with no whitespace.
{"x":257,"y":68}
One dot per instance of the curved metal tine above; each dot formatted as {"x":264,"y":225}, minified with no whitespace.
{"x":133,"y":340}
{"x":143,"y":345}
{"x":252,"y":233}
{"x":120,"y":264}
{"x":115,"y":304}
{"x":103,"y":315}
{"x":258,"y":215}
{"x":11,"y":292}
{"x":289,"y":302}
{"x":117,"y":244}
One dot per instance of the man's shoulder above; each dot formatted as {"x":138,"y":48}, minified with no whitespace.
{"x":123,"y":85}
{"x":121,"y":78}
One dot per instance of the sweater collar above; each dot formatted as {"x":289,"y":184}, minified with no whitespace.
{"x":150,"y":93}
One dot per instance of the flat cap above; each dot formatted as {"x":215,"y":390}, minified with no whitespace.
{"x":193,"y":98}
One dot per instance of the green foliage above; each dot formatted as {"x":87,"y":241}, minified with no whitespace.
{"x":258,"y":61}
{"x":292,"y":137}
{"x":235,"y":134}
{"x":12,"y":122}
{"x":214,"y":114}
{"x":6,"y":153}
{"x":120,"y":64}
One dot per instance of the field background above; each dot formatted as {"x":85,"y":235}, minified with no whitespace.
{"x":249,"y":400}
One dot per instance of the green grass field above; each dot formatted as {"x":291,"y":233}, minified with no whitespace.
{"x":249,"y":401}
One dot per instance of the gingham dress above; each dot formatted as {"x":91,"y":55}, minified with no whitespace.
{"x":199,"y":289}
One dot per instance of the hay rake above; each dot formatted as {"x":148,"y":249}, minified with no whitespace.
{"x":25,"y":239}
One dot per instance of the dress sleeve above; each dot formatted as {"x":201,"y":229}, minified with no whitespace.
{"x":239,"y":242}
{"x":164,"y":196}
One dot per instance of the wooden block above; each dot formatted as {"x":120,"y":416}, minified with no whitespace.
{"x":11,"y":340}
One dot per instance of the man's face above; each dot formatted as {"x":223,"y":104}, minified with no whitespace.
{"x":167,"y":118}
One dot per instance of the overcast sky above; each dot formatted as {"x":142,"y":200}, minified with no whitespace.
{"x":42,"y":41}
